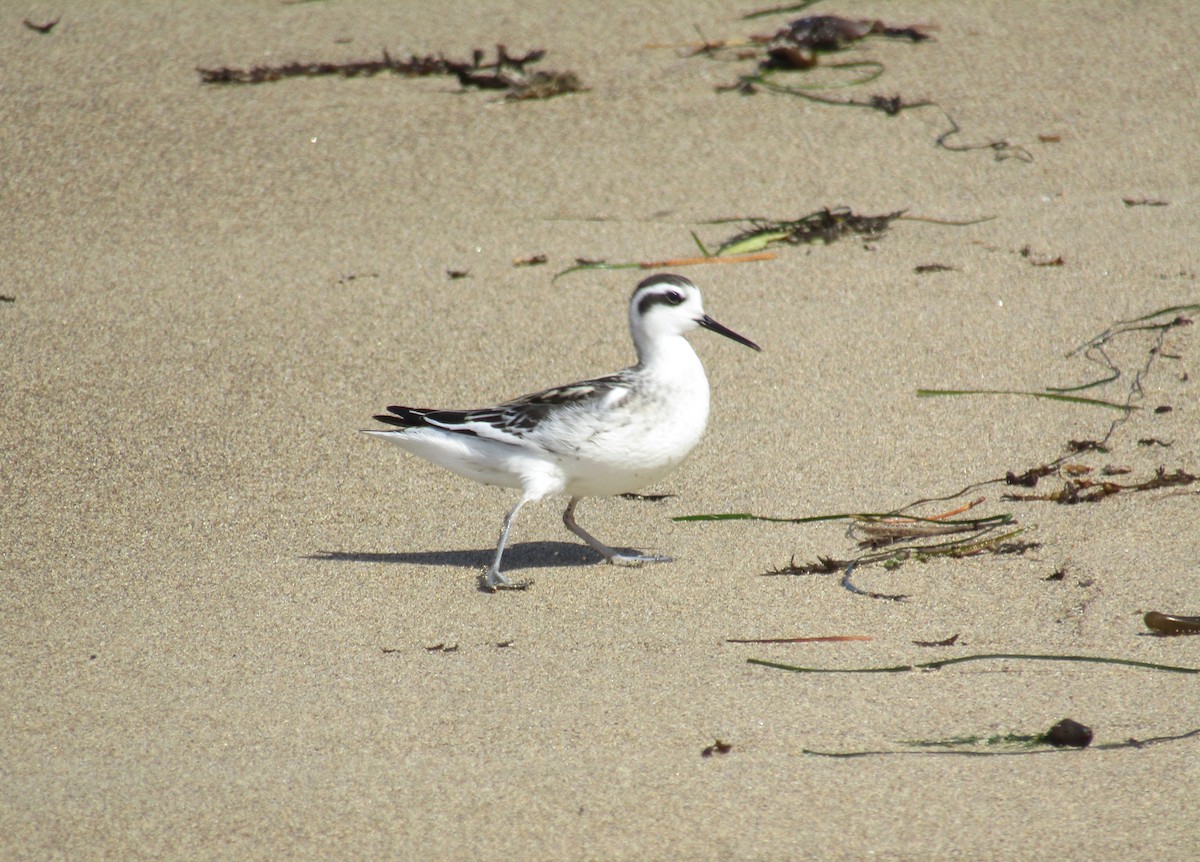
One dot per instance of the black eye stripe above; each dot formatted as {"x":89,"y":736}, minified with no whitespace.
{"x":669,"y":297}
{"x":662,"y":289}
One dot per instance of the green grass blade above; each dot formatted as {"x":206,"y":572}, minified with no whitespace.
{"x":752,"y":243}
{"x":597,"y":265}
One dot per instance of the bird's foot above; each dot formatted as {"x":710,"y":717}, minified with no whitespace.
{"x":492,"y":581}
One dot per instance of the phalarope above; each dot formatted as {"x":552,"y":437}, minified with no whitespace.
{"x":602,"y":437}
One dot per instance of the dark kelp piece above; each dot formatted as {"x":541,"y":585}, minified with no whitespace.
{"x":1069,"y":733}
{"x":797,"y":44}
{"x":1171,"y":624}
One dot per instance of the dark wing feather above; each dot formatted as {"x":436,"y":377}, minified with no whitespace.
{"x":517,"y":417}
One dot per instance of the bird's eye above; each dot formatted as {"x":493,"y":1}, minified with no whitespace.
{"x":674,"y":297}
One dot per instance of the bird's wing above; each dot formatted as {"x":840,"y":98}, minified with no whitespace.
{"x":513,"y":421}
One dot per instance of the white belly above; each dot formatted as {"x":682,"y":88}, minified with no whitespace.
{"x":640,"y":443}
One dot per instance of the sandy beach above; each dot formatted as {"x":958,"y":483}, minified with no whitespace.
{"x":236,"y":628}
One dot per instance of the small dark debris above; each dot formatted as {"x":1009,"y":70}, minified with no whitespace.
{"x":1163,"y":408}
{"x":718,"y":747}
{"x":42,"y":28}
{"x":1154,"y":441}
{"x":924,"y":268}
{"x":1017,"y":548}
{"x":950,"y":641}
{"x":648,"y":498}
{"x":535,"y":260}
{"x":1115,"y":470}
{"x":346,"y":279}
{"x":442,"y":647}
{"x":458,"y":273}
{"x":823,"y":566}
{"x":1143,"y":202}
{"x":1057,"y":575}
{"x":545,"y":85}
{"x":4,"y":297}
{"x":1050,"y":139}
{"x":1069,"y":733}
{"x":1029,"y":478}
{"x":505,"y":644}
{"x":1078,"y":446}
{"x":890,"y":105}
{"x":1027,"y":253}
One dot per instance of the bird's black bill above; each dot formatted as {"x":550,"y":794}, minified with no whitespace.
{"x":711,"y":325}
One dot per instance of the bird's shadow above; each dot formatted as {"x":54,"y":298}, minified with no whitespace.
{"x":523,"y":555}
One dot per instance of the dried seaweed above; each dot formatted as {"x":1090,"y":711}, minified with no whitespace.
{"x":799,"y":47}
{"x":1002,"y":149}
{"x":1091,"y":491}
{"x":413,"y":67}
{"x":881,"y":533}
{"x":1094,"y":351}
{"x":507,"y":72}
{"x":946,"y":662}
{"x":823,"y":566}
{"x":824,"y":225}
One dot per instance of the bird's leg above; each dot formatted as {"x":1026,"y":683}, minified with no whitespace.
{"x":493,"y":579}
{"x":611,"y":555}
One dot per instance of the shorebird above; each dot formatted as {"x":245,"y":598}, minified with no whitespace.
{"x":596,"y":438}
